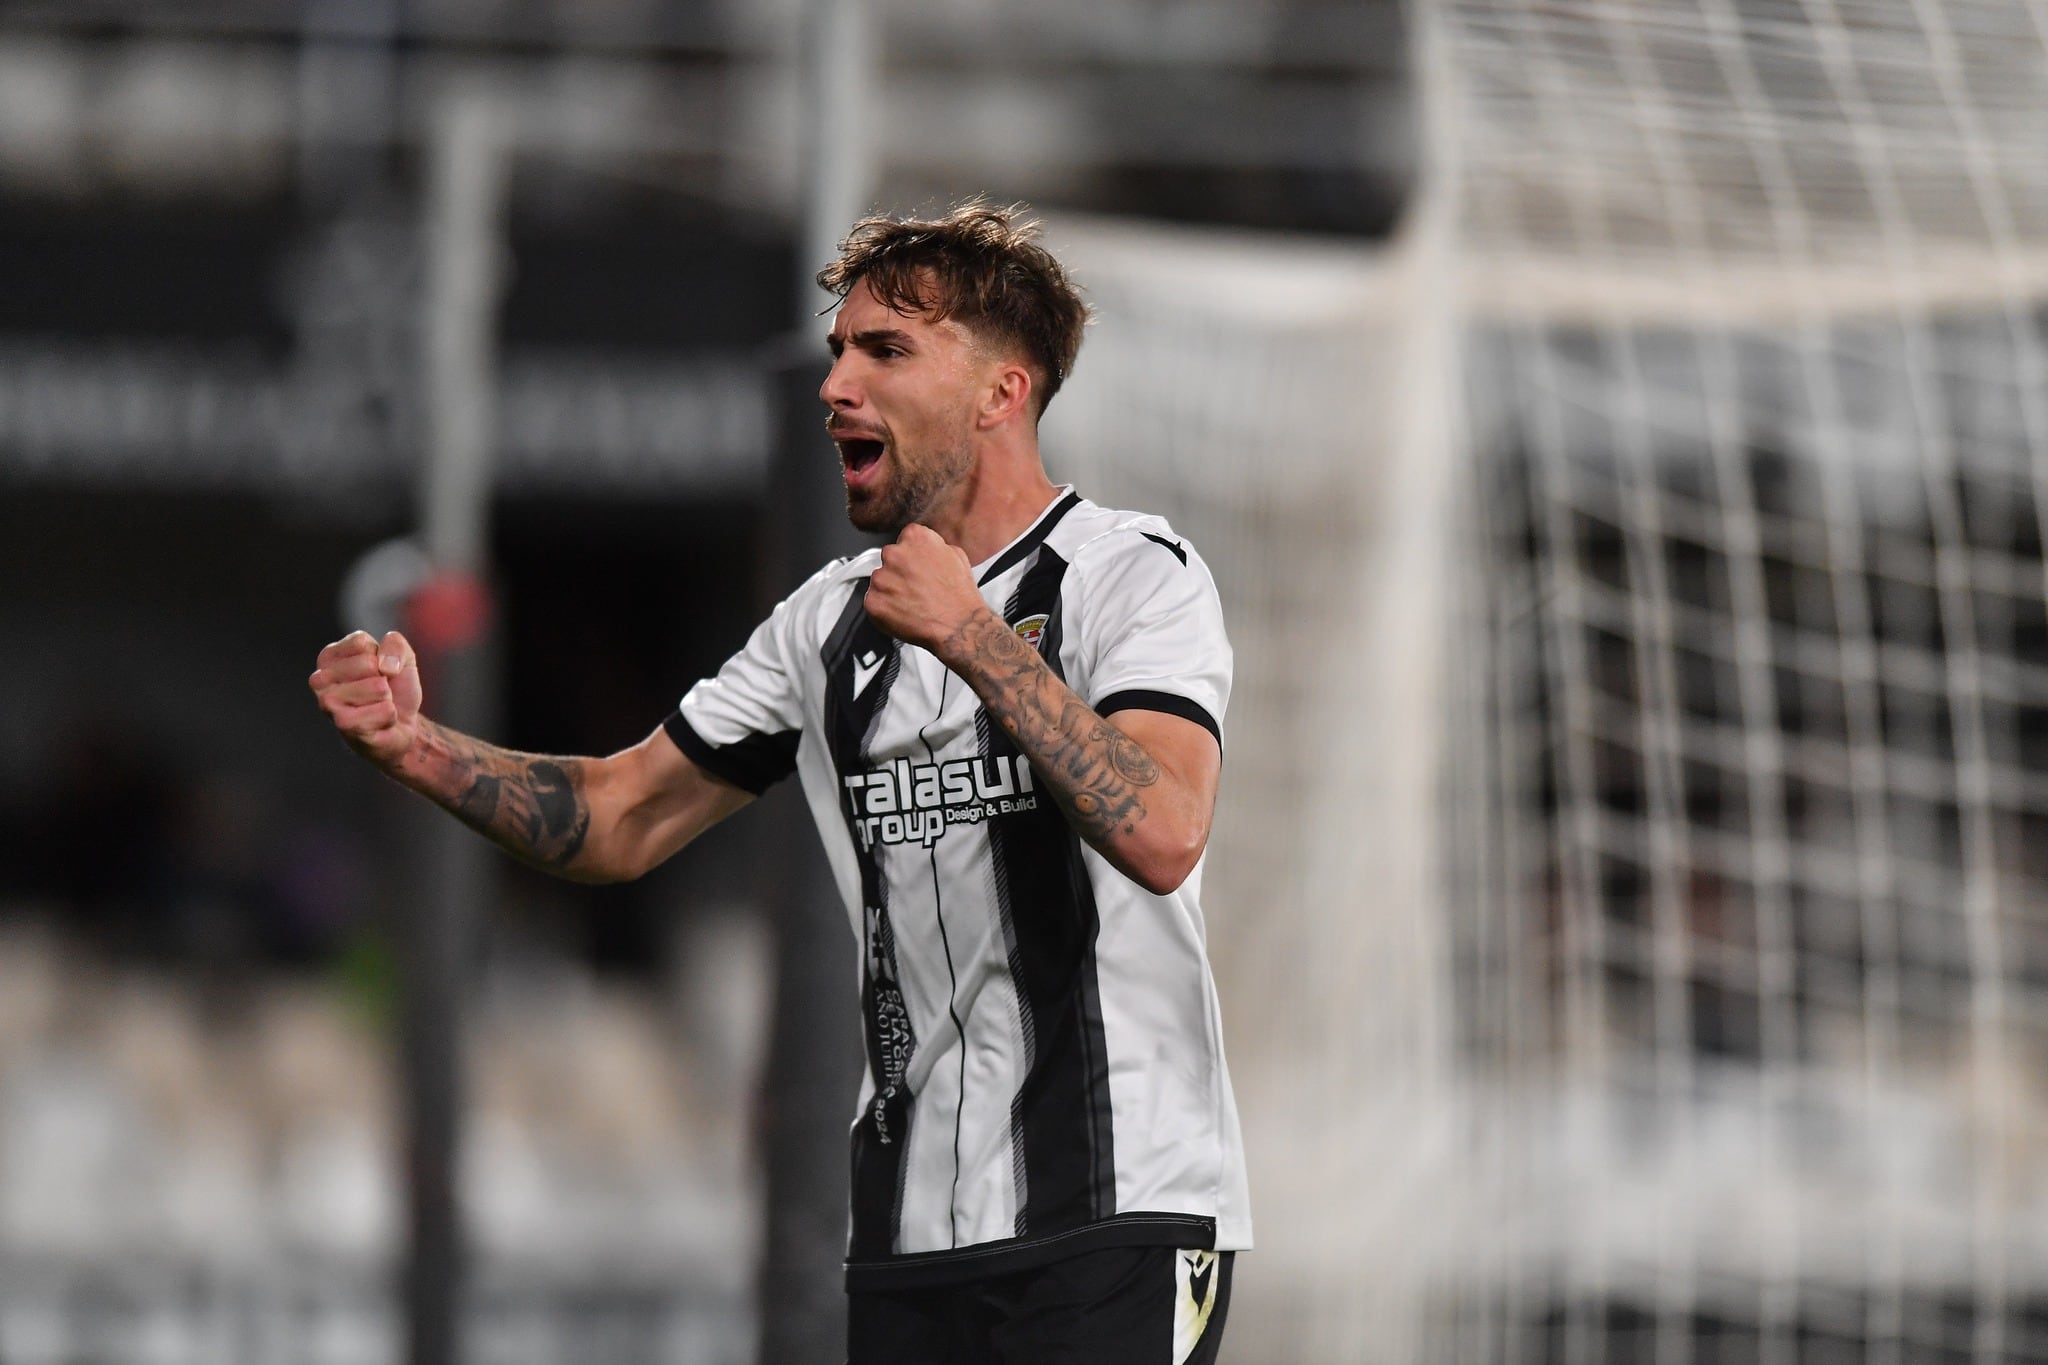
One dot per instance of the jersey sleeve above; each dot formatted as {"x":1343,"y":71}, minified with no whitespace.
{"x":1152,"y":635}
{"x":743,"y":724}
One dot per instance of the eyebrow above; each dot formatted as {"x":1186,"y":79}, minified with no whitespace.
{"x":873,"y":336}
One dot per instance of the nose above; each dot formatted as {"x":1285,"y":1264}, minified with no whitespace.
{"x":838,"y":392}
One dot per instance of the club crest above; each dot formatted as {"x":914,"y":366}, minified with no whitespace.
{"x":1031,"y":629}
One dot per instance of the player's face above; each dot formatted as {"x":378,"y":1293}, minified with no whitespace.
{"x":901,"y":396}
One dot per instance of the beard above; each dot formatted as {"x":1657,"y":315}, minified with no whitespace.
{"x":914,"y":488}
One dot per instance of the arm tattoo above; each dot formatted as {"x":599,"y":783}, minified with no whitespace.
{"x":1096,"y":772}
{"x":532,"y":807}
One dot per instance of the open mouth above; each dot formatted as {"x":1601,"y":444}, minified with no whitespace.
{"x":859,"y":453}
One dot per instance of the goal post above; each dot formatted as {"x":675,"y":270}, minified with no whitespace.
{"x":1285,"y":404}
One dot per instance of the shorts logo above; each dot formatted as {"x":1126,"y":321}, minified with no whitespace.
{"x":1032,"y":629}
{"x":1194,"y":1300}
{"x":915,"y":803}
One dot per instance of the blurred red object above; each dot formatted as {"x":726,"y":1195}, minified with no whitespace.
{"x":448,"y":612}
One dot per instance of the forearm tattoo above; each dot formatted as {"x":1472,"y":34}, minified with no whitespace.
{"x":532,"y":807}
{"x":1096,"y":772}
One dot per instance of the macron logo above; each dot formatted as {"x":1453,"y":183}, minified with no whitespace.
{"x":1200,"y":1267}
{"x":864,"y":670}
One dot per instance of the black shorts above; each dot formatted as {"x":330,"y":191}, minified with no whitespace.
{"x":1120,"y":1306}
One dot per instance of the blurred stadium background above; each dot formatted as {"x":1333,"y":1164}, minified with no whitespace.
{"x":1620,"y":431}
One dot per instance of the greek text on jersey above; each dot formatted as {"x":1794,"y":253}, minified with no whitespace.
{"x":914,"y":803}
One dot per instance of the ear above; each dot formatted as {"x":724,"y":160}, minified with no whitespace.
{"x":1007,"y":395}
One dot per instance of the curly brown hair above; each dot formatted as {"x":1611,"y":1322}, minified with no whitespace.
{"x":978,"y":263}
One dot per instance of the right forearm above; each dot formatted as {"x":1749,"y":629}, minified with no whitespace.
{"x":535,"y":807}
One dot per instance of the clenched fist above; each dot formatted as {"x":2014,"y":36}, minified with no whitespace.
{"x":924,"y":591}
{"x":372,"y":693}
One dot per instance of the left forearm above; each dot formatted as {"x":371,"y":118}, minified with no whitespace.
{"x":1110,"y":788}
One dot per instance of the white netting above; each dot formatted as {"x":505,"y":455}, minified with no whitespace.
{"x":1750,"y":976}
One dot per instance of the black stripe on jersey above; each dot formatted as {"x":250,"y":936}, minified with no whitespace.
{"x":1138,"y":699}
{"x":1031,"y":540}
{"x":861,"y":664}
{"x":1060,"y":1117}
{"x":753,"y":764}
{"x":1027,"y":1030}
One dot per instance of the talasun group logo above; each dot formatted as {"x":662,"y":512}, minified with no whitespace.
{"x":915,"y":803}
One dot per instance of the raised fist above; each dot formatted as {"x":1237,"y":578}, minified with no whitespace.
{"x":372,"y":693}
{"x":923,"y":591}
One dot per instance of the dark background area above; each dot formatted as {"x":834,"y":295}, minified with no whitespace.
{"x":165,"y":769}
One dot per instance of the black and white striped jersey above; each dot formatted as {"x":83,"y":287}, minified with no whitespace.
{"x":1045,"y":1068}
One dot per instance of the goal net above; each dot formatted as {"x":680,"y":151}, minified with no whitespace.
{"x":1630,"y":890}
{"x":1748,"y":970}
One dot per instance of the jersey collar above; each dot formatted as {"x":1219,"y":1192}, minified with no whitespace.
{"x":1064,"y":501}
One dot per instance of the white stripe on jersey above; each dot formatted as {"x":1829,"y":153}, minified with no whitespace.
{"x":1045,"y":1060}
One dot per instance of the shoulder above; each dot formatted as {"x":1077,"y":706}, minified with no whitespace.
{"x":822,"y":595}
{"x":844,"y":570}
{"x":1109,"y":542}
{"x":1146,"y":622}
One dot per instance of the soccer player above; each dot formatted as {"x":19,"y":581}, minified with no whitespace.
{"x":1008,"y":725}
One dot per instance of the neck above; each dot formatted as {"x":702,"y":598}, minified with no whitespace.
{"x":1004,"y":494}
